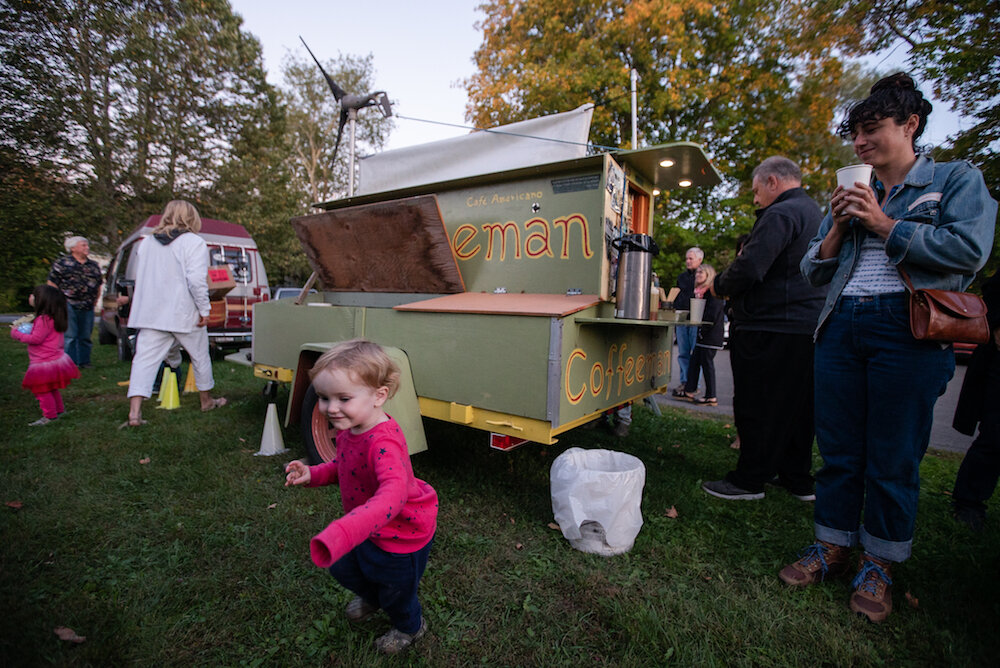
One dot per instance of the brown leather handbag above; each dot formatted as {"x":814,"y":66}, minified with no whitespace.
{"x":943,"y":315}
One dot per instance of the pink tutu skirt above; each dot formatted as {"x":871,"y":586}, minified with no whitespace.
{"x":47,"y":376}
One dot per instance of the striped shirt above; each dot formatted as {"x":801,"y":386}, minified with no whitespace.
{"x":873,"y":274}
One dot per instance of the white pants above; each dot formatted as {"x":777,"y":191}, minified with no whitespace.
{"x":153,"y":345}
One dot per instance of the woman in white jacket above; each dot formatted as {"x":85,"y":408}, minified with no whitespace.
{"x":170,"y":304}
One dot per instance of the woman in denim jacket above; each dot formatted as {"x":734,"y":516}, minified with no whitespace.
{"x":875,"y":384}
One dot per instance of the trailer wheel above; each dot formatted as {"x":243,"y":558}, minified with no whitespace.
{"x":317,"y":432}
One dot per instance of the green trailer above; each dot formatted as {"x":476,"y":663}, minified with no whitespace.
{"x":495,"y":294}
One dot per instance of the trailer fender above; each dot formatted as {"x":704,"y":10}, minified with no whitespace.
{"x":403,"y":406}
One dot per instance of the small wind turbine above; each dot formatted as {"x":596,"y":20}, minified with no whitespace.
{"x":349,"y":106}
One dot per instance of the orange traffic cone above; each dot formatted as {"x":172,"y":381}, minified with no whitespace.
{"x":189,"y":384}
{"x":171,"y":400}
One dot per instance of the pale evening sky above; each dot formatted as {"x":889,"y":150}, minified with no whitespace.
{"x":421,"y":53}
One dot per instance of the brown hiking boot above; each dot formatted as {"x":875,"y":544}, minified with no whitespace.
{"x":819,"y":561}
{"x":872,"y":595}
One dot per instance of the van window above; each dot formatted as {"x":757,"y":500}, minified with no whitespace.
{"x":125,"y":257}
{"x":235,"y":257}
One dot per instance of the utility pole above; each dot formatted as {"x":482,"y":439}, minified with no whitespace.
{"x":634,"y":76}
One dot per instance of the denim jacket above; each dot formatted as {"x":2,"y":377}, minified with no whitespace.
{"x":945,"y":219}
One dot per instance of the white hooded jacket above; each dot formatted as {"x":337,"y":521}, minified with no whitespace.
{"x":171,"y":286}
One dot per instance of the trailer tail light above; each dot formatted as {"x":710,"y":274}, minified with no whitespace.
{"x":505,"y":442}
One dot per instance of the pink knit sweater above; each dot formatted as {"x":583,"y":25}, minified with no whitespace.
{"x":382,"y":499}
{"x":45,"y":344}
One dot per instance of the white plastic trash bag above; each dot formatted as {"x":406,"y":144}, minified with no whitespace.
{"x":596,"y":498}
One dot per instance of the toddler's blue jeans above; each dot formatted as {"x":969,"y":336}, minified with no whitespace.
{"x":385,"y":579}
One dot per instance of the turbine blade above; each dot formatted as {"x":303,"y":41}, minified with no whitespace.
{"x":340,"y":132}
{"x":338,"y":92}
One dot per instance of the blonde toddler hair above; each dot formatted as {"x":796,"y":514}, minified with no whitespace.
{"x":361,"y":358}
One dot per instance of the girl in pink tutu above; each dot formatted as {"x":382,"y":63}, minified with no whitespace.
{"x":49,"y":367}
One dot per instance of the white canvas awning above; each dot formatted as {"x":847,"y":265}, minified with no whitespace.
{"x":526,"y":143}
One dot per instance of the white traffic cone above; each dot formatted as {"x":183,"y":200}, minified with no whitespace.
{"x":271,"y":442}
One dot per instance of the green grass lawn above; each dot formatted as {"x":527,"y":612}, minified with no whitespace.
{"x":200,"y":556}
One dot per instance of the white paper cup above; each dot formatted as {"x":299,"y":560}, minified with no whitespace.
{"x":697,"y":309}
{"x":847,"y":176}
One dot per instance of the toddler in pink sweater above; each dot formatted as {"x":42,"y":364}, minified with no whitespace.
{"x":50,"y":369}
{"x":379,"y":548}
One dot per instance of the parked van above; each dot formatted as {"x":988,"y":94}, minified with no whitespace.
{"x":230,"y":323}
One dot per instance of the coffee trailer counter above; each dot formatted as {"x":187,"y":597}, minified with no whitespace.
{"x":494,"y":292}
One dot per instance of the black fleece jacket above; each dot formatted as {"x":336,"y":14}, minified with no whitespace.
{"x":685,"y":281}
{"x":767,"y":290}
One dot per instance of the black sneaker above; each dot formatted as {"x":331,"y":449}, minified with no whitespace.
{"x":800,"y":494}
{"x":970,"y":517}
{"x":723,"y":489}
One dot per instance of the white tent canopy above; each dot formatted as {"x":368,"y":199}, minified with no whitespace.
{"x":526,"y":143}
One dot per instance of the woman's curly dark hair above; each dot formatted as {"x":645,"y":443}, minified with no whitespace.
{"x":895,"y":97}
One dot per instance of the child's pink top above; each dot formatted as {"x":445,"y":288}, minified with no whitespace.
{"x":45,"y":344}
{"x":382,"y":499}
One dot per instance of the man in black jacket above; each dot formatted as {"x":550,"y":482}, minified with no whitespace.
{"x":771,"y":347}
{"x":977,"y":404}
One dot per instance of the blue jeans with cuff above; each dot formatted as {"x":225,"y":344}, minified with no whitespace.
{"x":77,"y":343}
{"x":875,"y":392}
{"x":385,"y":579}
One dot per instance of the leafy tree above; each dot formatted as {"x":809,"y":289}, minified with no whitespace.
{"x":137,"y":101}
{"x":313,"y":119}
{"x":954,"y":47}
{"x":254,"y":190}
{"x":35,"y":208}
{"x":739,"y":77}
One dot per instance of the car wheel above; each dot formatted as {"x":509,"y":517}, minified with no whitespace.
{"x":317,"y":432}
{"x":125,"y":351}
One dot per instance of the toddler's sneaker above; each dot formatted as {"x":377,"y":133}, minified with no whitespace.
{"x":39,"y":422}
{"x":819,"y":561}
{"x":395,"y":641}
{"x":358,"y":610}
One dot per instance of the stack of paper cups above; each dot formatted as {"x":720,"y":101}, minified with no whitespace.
{"x":697,"y":309}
